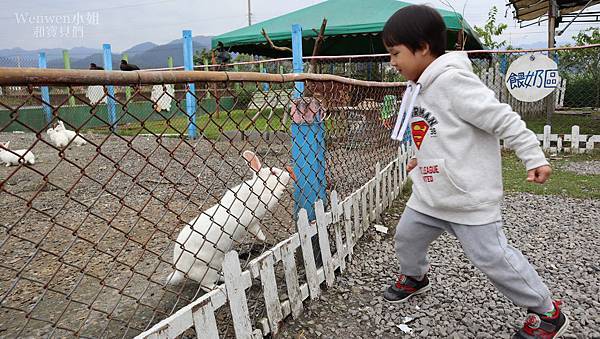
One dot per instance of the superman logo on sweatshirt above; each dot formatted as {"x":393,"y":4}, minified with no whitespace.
{"x":419,"y":131}
{"x":423,"y":123}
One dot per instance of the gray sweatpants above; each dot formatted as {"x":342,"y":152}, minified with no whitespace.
{"x":484,"y":245}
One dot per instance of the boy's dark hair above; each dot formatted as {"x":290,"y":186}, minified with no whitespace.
{"x":415,"y":25}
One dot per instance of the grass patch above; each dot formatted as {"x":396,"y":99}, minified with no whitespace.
{"x":209,"y":125}
{"x":561,"y":182}
{"x":562,"y":123}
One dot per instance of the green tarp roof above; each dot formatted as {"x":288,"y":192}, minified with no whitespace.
{"x":353,"y":27}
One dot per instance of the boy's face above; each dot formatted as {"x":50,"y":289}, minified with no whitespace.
{"x":410,"y":64}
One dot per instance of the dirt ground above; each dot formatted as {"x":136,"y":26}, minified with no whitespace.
{"x":87,"y":233}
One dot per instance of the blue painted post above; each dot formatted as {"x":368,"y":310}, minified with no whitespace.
{"x":503,"y":63}
{"x":297,"y":58}
{"x":110,"y":101}
{"x":265,"y":84}
{"x":45,"y":93}
{"x":236,"y":68}
{"x":308,"y":146}
{"x":190,"y":99}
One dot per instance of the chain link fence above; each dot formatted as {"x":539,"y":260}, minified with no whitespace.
{"x":578,"y":90}
{"x":122,"y":191}
{"x":117,"y":212}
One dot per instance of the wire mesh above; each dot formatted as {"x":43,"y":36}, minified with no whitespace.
{"x":94,"y":227}
{"x":91,"y":218}
{"x":578,"y":67}
{"x":578,"y":88}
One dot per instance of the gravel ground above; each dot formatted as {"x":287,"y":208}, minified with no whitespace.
{"x":584,"y":167}
{"x":560,"y":236}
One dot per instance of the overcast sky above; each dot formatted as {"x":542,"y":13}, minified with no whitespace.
{"x":126,"y":23}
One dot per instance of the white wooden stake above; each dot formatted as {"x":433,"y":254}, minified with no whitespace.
{"x":205,"y":322}
{"x":323,"y":235}
{"x":291,"y":278}
{"x":305,"y":232}
{"x":269,"y":285}
{"x":348,"y":228}
{"x":236,"y":293}
{"x":356,"y":201}
{"x":546,"y":140}
{"x":575,"y":139}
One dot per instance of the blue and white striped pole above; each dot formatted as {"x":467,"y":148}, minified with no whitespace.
{"x":44,"y":89}
{"x":308,"y":146}
{"x":110,"y":101}
{"x":297,"y":61}
{"x":263,"y":69}
{"x":190,"y":99}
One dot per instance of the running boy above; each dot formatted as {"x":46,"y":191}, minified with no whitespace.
{"x":456,"y":123}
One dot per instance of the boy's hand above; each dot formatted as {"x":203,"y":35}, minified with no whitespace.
{"x":412,"y":163}
{"x":539,"y":175}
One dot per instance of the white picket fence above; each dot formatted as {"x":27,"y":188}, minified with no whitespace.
{"x":568,"y":143}
{"x":347,"y":220}
{"x":573,"y":143}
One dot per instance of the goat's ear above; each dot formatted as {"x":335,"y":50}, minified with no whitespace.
{"x":253,"y":161}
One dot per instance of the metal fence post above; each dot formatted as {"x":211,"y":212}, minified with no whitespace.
{"x":44,"y":89}
{"x":67,"y":63}
{"x":190,"y":99}
{"x":110,"y":101}
{"x":263,"y":70}
{"x":297,"y":58}
{"x":308,"y":146}
{"x":236,"y":68}
{"x":125,"y":57}
{"x":206,"y":69}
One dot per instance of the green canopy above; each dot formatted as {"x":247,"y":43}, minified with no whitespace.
{"x":353,"y":27}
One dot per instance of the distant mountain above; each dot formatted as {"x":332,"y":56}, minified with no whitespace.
{"x":15,"y":57}
{"x":145,"y":55}
{"x":200,"y":39}
{"x":156,"y":57}
{"x":140,"y":48}
{"x":97,"y":58}
{"x":82,"y":52}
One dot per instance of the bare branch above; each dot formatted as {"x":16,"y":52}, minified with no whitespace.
{"x":318,"y":42}
{"x":283,"y":49}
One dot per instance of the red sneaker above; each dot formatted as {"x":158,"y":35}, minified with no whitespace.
{"x":404,"y":288}
{"x":540,"y":326}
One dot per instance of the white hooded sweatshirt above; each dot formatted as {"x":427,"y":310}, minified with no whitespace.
{"x":456,"y":125}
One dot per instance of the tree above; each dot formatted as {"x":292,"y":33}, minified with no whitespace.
{"x":200,"y":56}
{"x":490,"y":30}
{"x":581,"y":68}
